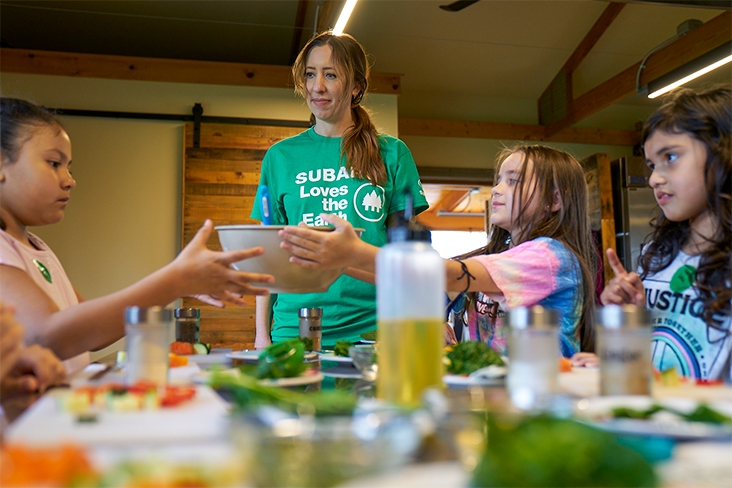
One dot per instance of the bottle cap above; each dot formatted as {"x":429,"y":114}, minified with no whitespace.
{"x":535,"y":317}
{"x":310,"y":312}
{"x":406,"y":227}
{"x":187,"y":313}
{"x":623,"y":316}
{"x":141,"y":315}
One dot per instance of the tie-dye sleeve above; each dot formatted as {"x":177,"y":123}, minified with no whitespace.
{"x":526,"y":274}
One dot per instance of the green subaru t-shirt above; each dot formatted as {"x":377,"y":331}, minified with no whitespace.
{"x":306,"y":176}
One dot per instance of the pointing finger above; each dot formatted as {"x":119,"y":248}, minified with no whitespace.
{"x":614,"y":262}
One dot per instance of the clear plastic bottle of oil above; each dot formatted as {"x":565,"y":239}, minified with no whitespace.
{"x":410,"y":296}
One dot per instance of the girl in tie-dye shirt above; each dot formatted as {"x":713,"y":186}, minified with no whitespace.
{"x":540,"y":250}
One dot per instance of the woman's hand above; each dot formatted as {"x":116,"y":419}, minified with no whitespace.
{"x":625,"y":288}
{"x":202,"y":271}
{"x":11,"y":339}
{"x":319,"y":249}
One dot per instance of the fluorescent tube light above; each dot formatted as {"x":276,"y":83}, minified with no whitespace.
{"x":343,"y":18}
{"x":694,"y":69}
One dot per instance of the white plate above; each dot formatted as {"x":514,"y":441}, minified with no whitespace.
{"x":459,"y":380}
{"x":201,"y":420}
{"x":245,"y":355}
{"x":329,"y":356}
{"x":597,"y":411}
{"x":207,"y":359}
{"x":203,"y":377}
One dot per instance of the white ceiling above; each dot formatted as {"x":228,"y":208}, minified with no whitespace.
{"x":488,"y":62}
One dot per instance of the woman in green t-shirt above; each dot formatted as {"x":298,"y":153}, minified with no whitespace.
{"x":342,"y":165}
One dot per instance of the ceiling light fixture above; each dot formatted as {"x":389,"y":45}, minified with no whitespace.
{"x":343,"y":18}
{"x":702,"y":65}
{"x":695,"y":68}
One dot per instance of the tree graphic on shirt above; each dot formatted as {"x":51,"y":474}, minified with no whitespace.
{"x":372,"y":202}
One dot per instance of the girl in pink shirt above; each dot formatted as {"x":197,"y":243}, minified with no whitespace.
{"x":35,"y":188}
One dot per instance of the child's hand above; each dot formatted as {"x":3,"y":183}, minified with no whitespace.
{"x":35,"y":370}
{"x":585,"y":359}
{"x":450,"y":337}
{"x":317,"y":249}
{"x":11,"y":339}
{"x":625,"y":288}
{"x":206,"y":272}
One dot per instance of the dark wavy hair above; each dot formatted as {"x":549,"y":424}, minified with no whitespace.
{"x":707,"y":117}
{"x":552,"y":173}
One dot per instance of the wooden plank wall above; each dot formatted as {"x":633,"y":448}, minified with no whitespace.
{"x":599,"y":185}
{"x":220,"y":181}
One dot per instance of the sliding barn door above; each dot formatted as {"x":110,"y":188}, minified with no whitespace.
{"x":220,"y":180}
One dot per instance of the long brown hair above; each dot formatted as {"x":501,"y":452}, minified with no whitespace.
{"x":360,"y":143}
{"x":707,"y":117}
{"x":553,"y":176}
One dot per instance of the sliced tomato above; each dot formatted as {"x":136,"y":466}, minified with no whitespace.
{"x":182,"y":348}
{"x":175,"y":395}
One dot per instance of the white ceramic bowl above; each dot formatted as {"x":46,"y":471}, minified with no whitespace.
{"x":289,"y":277}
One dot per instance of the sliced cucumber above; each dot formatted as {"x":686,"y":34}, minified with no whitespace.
{"x":201,"y":348}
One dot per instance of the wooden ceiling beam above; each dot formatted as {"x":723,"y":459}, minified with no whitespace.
{"x":327,"y":14}
{"x":595,"y":33}
{"x":168,"y":70}
{"x":516,"y":132}
{"x":299,"y":33}
{"x":701,"y":40}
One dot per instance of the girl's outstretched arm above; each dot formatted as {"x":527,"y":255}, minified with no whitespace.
{"x":96,"y":323}
{"x":625,"y":288}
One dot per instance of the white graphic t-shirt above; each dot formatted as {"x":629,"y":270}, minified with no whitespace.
{"x":680,"y":338}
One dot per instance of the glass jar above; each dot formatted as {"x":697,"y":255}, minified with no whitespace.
{"x":624,"y":349}
{"x":148,"y":342}
{"x":187,"y":325}
{"x":533,"y":352}
{"x":311,"y":326}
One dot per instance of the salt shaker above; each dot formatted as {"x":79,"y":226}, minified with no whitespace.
{"x":311,"y":326}
{"x":533,"y":351}
{"x":147,"y":344}
{"x":187,"y":324}
{"x":624,"y":349}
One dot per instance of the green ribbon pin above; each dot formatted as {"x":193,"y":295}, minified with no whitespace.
{"x":44,"y":271}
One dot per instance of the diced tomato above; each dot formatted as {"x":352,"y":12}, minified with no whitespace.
{"x":141,"y":387}
{"x":175,"y":395}
{"x":703,"y":382}
{"x":175,"y":361}
{"x":182,"y":348}
{"x":565,"y":365}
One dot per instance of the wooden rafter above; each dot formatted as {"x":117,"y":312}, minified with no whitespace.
{"x":518,"y":132}
{"x":598,"y":29}
{"x":299,"y":33}
{"x":699,"y":41}
{"x":159,"y":69}
{"x":326,"y":16}
{"x":447,"y":201}
{"x":581,"y":51}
